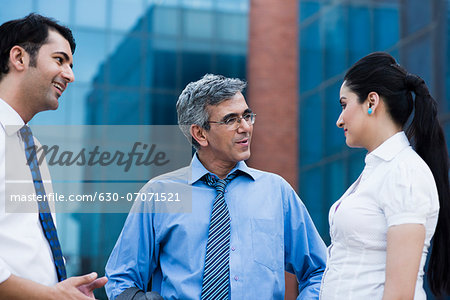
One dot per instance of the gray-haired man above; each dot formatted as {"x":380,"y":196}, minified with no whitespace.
{"x":246,"y":227}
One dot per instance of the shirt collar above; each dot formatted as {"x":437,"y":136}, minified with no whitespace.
{"x":198,"y":170}
{"x":9,"y":117}
{"x":389,"y":148}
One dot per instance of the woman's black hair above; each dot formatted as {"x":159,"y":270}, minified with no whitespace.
{"x":379,"y":72}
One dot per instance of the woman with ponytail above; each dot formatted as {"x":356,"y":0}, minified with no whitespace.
{"x":381,"y":228}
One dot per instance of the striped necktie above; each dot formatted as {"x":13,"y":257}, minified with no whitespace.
{"x":216,"y":274}
{"x":45,"y":216}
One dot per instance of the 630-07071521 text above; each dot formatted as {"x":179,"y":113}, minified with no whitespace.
{"x":102,"y":197}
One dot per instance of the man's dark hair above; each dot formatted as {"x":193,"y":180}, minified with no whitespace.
{"x":30,"y":33}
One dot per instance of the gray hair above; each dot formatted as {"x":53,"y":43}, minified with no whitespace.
{"x":194,"y":99}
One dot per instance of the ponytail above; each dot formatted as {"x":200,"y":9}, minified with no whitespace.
{"x":427,"y":136}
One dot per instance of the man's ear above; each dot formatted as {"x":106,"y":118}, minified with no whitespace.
{"x":18,"y":58}
{"x":198,"y":134}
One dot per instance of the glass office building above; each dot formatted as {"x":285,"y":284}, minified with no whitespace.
{"x":134,"y":57}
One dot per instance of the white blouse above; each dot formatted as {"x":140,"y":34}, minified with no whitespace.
{"x":395,"y":187}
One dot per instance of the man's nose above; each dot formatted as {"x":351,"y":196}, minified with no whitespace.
{"x":67,"y":74}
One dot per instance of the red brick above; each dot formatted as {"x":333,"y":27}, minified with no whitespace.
{"x":273,"y":86}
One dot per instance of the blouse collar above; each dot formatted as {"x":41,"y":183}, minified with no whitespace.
{"x":389,"y":148}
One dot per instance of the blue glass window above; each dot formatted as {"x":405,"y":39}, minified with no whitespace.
{"x":335,"y":139}
{"x":91,"y":13}
{"x":125,"y":14}
{"x":163,"y":109}
{"x":418,"y":15}
{"x":126,"y":65}
{"x":12,"y":10}
{"x":231,"y":65}
{"x":232,"y":5}
{"x":311,"y":130}
{"x":194,"y":66}
{"x":198,"y":24}
{"x":335,"y":178}
{"x":418,"y":59}
{"x":91,"y":48}
{"x":386,"y":28}
{"x":360,"y":33}
{"x":311,"y":193}
{"x":334,"y":32}
{"x":49,"y":9}
{"x":232,"y":27}
{"x":311,"y":60}
{"x":165,"y":20}
{"x":124,"y":107}
{"x":164,"y":69}
{"x":308,"y":8}
{"x":356,"y":164}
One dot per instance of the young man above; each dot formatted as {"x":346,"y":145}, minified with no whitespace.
{"x":246,"y":226}
{"x":35,"y":69}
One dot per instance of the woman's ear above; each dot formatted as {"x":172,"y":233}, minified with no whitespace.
{"x":198,"y":133}
{"x":373,"y":102}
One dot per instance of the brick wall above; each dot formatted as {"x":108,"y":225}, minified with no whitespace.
{"x":273,"y":86}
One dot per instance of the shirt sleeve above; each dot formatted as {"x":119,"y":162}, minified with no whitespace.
{"x":408,"y":196}
{"x":133,"y":259}
{"x":305,"y":249}
{"x":4,"y":271}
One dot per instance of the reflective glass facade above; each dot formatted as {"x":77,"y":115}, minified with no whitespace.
{"x":134,"y":57}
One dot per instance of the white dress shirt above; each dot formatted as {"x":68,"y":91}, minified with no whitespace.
{"x":24,"y":250}
{"x":396,"y":187}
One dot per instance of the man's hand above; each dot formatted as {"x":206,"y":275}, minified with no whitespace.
{"x":80,"y":287}
{"x":88,"y":289}
{"x":74,"y":288}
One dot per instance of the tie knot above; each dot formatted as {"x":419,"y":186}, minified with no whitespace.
{"x":219,"y":184}
{"x":25,"y":132}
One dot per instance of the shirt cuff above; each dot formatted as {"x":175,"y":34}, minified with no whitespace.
{"x":4,"y":274}
{"x":406,"y":218}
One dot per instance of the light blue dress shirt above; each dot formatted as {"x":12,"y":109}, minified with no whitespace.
{"x":271,"y":231}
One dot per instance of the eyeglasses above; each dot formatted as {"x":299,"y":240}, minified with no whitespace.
{"x":233,"y":123}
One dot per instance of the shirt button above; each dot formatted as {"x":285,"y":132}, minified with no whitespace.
{"x":236,"y":278}
{"x":232,"y":248}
